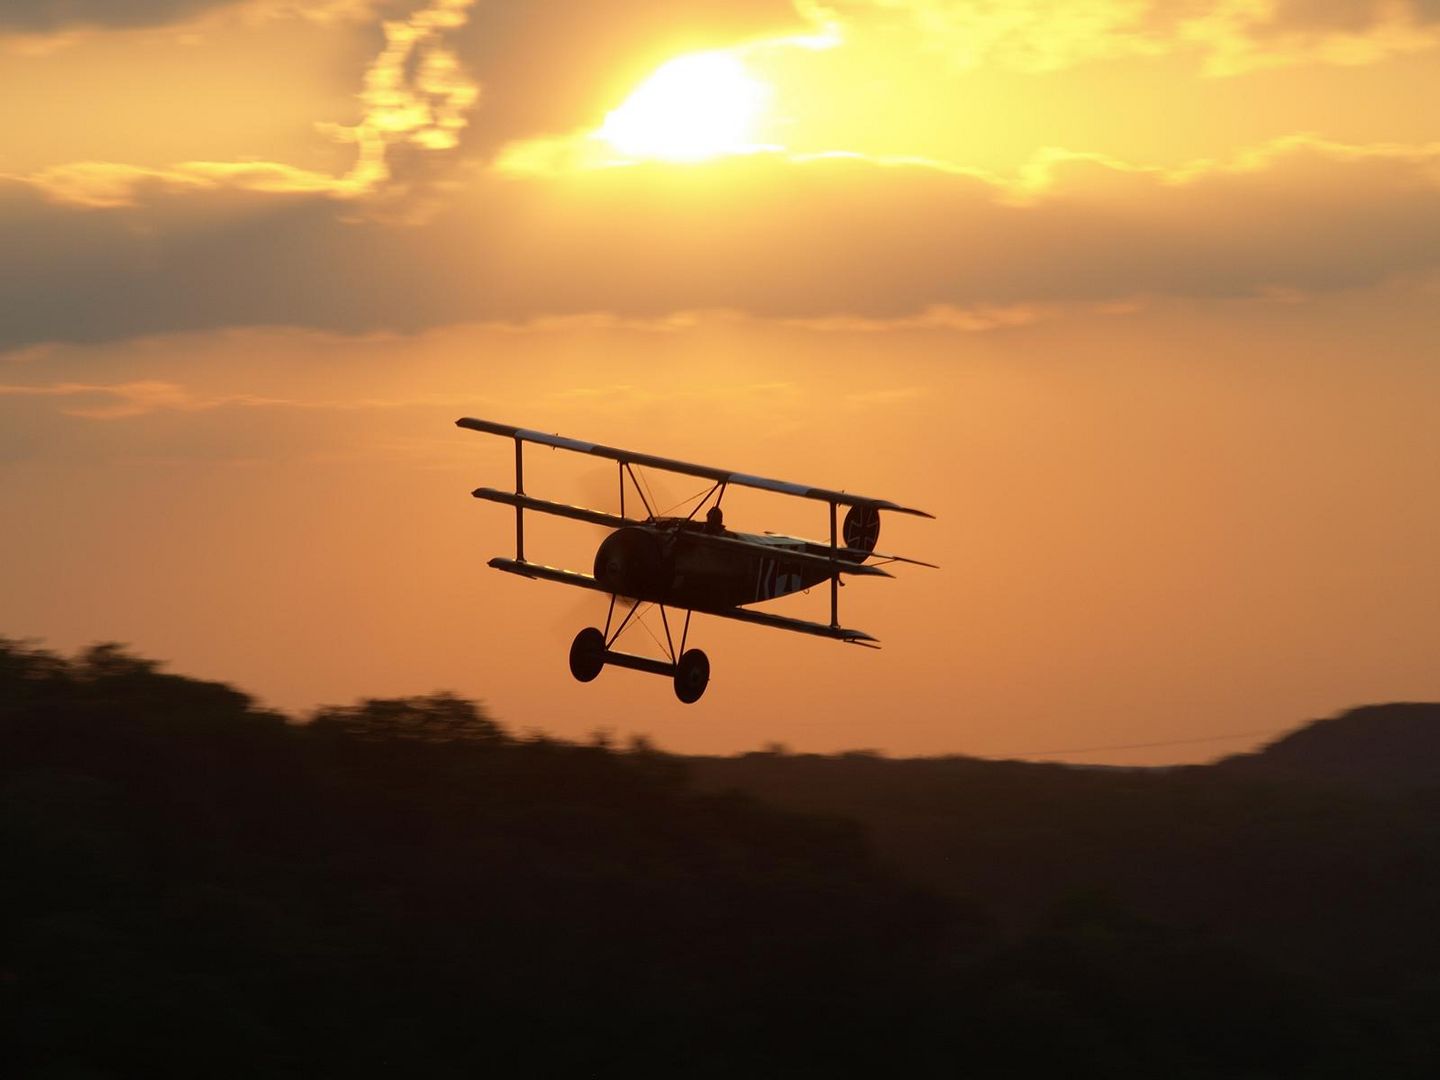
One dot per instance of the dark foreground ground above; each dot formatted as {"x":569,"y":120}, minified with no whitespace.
{"x":195,"y":887}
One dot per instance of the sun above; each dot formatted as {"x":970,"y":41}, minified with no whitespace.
{"x":693,"y":107}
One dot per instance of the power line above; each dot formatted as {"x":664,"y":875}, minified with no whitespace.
{"x":1137,"y":746}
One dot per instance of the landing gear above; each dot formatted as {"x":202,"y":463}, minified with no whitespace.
{"x":587,"y":654}
{"x":692,"y":675}
{"x":591,"y":651}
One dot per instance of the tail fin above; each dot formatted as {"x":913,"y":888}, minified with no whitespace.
{"x":861,"y":530}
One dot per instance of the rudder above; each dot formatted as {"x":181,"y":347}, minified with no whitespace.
{"x":861,"y":530}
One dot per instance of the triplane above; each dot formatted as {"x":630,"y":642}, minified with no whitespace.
{"x":691,"y":565}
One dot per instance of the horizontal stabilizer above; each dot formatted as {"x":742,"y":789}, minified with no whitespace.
{"x":578,"y":513}
{"x":805,"y":558}
{"x":819,"y":547}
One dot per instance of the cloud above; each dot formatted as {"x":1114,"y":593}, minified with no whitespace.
{"x":1230,"y":37}
{"x":118,"y":401}
{"x":765,"y":235}
{"x":102,"y":184}
{"x":42,"y":17}
{"x":946,"y":317}
{"x":415,"y":101}
{"x":556,"y":66}
{"x":1236,"y":38}
{"x":415,"y":93}
{"x":46,"y":16}
{"x":115,"y":401}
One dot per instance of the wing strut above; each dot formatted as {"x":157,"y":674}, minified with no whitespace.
{"x":519,"y":494}
{"x":834,"y":578}
{"x":625,"y":468}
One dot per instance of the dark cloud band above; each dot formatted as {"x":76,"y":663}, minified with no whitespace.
{"x":764,"y":235}
{"x":47,"y":16}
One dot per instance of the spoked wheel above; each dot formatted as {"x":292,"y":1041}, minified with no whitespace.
{"x":692,"y":675}
{"x":587,"y":654}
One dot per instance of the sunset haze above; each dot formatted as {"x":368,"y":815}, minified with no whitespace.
{"x":1141,"y":299}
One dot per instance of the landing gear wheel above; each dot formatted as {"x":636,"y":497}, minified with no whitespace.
{"x":587,"y":654}
{"x":692,"y":675}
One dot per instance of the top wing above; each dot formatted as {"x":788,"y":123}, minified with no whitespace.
{"x":707,"y":472}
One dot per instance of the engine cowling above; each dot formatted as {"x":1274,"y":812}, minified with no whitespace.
{"x":630,"y":563}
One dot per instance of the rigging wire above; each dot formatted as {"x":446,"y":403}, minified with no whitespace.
{"x":649,"y":494}
{"x":1014,"y":755}
{"x":1135,"y":746}
{"x":635,"y":613}
{"x":643,"y":607}
{"x":653,"y":637}
{"x":688,"y":499}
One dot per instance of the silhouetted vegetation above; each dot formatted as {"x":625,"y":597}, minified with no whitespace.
{"x":196,"y":886}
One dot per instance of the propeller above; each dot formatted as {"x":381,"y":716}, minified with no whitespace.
{"x":599,"y":489}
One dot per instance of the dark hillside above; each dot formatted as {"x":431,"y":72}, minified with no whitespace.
{"x":197,"y":887}
{"x":1335,"y":880}
{"x":1382,"y":748}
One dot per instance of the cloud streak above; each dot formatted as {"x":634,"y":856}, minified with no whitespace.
{"x":117,"y":401}
{"x":122,"y":401}
{"x":47,"y":16}
{"x":107,"y":185}
{"x":1230,"y":38}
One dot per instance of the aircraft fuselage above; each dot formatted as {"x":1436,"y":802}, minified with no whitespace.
{"x":691,"y":565}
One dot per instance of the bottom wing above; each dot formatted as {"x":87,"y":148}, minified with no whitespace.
{"x":547,"y":573}
{"x":800,"y":626}
{"x":759,"y":618}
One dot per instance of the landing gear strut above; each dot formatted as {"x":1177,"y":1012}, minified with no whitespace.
{"x":688,"y":668}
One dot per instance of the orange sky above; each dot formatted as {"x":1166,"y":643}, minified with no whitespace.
{"x":1138,"y":297}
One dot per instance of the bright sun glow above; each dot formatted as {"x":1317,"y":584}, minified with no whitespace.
{"x":693,"y":107}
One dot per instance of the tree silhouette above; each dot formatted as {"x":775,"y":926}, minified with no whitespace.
{"x":431,"y":718}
